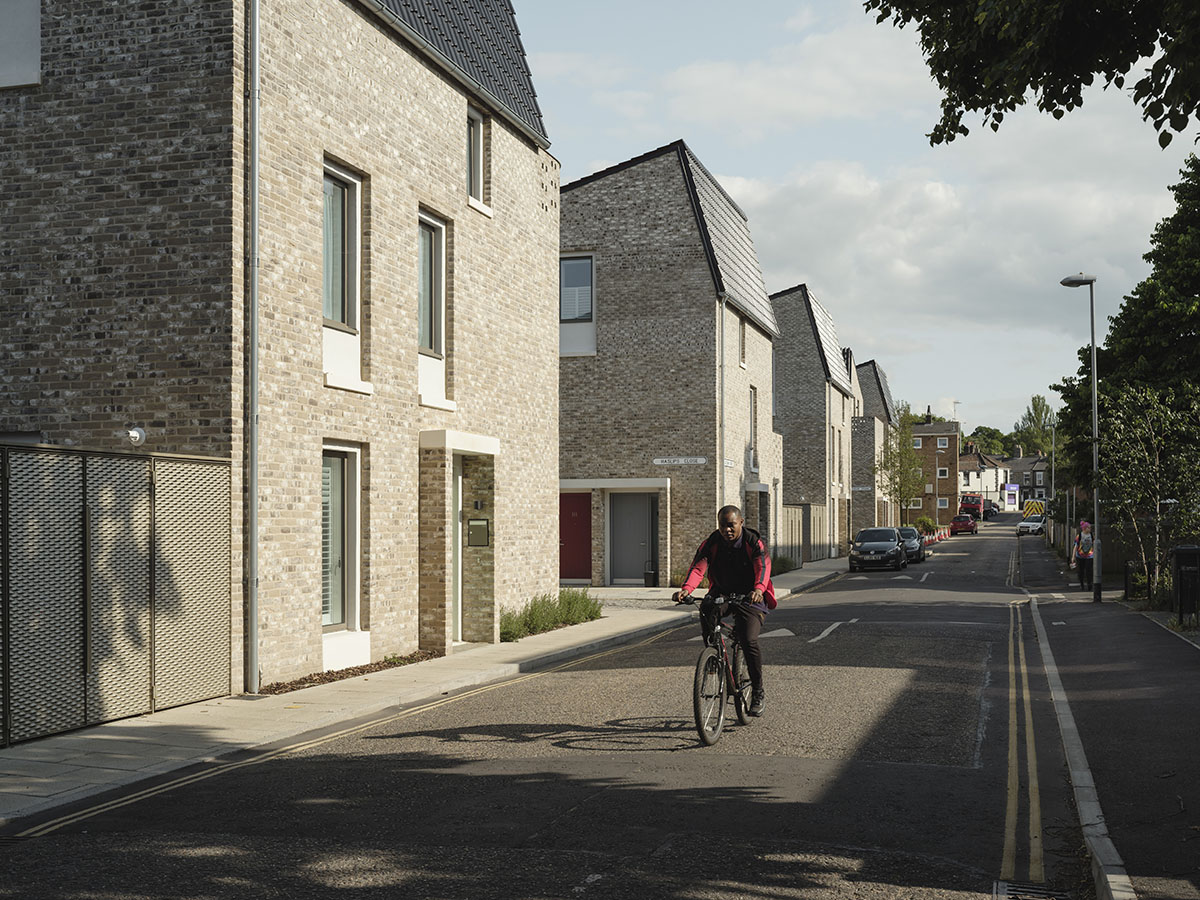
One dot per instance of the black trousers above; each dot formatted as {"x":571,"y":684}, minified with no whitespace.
{"x":1083,"y":565}
{"x":747,"y":624}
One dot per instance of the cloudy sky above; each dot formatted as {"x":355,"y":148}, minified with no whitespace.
{"x":942,"y":263}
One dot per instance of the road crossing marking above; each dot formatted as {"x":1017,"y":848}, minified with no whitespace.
{"x":926,"y":575}
{"x":779,"y":632}
{"x":901,"y":578}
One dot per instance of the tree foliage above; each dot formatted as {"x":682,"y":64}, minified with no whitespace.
{"x":989,"y":440}
{"x":1151,"y":458}
{"x":1154,"y":339}
{"x":1034,"y":431}
{"x":898,"y":467}
{"x":988,"y":56}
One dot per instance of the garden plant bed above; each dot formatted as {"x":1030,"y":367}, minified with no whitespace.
{"x":390,"y":662}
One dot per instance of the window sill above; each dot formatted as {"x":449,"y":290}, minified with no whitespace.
{"x":578,"y":353}
{"x":357,"y":387}
{"x":437,"y":403}
{"x":479,"y":206}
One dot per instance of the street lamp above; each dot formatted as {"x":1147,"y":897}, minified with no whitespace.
{"x":1079,"y":281}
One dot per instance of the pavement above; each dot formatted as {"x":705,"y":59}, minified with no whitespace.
{"x":40,"y":775}
{"x":1125,"y":683}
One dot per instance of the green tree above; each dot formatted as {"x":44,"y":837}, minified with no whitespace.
{"x":1149,"y":474}
{"x":1154,"y":338}
{"x":989,"y":56}
{"x":1034,"y":430}
{"x":898,"y":467}
{"x":989,"y":440}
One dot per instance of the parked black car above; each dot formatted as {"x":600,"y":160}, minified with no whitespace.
{"x":878,"y":548}
{"x":914,"y":544}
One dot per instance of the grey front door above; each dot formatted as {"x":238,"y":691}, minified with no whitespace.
{"x":633,"y":539}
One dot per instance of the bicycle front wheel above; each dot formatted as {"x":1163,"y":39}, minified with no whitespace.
{"x":708,"y":696}
{"x":741,"y":688}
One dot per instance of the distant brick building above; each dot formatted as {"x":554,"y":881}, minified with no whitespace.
{"x":666,"y":338}
{"x":937,"y":446}
{"x":407,"y":274}
{"x":818,"y":398}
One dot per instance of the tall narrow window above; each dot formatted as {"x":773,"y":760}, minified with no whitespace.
{"x":475,"y":155}
{"x":575,"y":289}
{"x":754,"y":428}
{"x":741,"y":340}
{"x":431,"y":286}
{"x":333,"y":539}
{"x":338,"y":302}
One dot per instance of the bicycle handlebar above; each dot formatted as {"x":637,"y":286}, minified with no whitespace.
{"x":732,"y":599}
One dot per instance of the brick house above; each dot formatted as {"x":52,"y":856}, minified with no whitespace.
{"x":386,"y":199}
{"x":937,"y":446}
{"x":666,"y":338}
{"x":818,"y":396}
{"x":1031,"y":474}
{"x":869,"y":433}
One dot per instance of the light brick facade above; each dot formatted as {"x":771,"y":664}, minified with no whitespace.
{"x":651,"y":390}
{"x":125,"y":299}
{"x":816,"y":403}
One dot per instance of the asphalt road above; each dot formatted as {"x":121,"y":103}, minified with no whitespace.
{"x":895,"y":759}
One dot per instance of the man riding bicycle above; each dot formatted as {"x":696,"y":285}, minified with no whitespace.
{"x":737,"y":562}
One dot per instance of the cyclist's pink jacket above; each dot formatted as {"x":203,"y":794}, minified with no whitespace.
{"x":706,"y":555}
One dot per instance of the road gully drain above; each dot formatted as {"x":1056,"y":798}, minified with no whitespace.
{"x":1016,"y":890}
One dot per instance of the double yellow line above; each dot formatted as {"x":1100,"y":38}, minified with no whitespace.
{"x":266,"y":756}
{"x":1016,"y":651}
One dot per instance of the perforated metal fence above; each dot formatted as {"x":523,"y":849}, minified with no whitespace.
{"x":115,"y":581}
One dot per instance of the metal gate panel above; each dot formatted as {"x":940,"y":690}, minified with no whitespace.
{"x":46,"y":593}
{"x":191,"y":591}
{"x":119,"y":562}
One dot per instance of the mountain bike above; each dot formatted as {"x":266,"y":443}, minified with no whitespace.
{"x":720,"y":674}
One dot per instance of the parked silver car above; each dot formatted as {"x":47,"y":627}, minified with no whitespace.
{"x":914,"y":544}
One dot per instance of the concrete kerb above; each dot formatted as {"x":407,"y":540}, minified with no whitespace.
{"x":1108,"y":869}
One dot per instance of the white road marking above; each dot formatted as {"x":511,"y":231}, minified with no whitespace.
{"x":1058,"y":623}
{"x":926,"y":575}
{"x":858,"y":578}
{"x":824,"y":634}
{"x":779,"y":632}
{"x":901,"y":578}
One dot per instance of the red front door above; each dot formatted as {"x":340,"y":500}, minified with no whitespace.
{"x":575,"y":536}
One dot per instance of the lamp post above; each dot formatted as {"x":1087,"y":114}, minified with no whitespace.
{"x":1097,"y":569}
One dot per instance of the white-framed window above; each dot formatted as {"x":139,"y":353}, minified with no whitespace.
{"x":1040,"y":494}
{"x":339,"y":538}
{"x":21,"y":44}
{"x":966,"y":479}
{"x":916,"y":443}
{"x":432,"y":339}
{"x":916,"y":503}
{"x":477,"y":158}
{"x":943,"y":472}
{"x":341,"y":280}
{"x":1025,"y":478}
{"x":943,"y":443}
{"x":753,"y":428}
{"x":1038,"y":476}
{"x":577,"y":305}
{"x":943,"y":502}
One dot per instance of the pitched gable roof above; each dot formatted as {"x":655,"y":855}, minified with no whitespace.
{"x":824,"y":336}
{"x":724,"y":228}
{"x":871,"y":374}
{"x":477,"y":42}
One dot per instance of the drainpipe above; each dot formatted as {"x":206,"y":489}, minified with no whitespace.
{"x":251,"y":530}
{"x":721,"y":398}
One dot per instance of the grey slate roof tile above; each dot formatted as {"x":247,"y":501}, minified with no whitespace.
{"x":872,"y":372}
{"x":481,"y":38}
{"x":825,"y":334}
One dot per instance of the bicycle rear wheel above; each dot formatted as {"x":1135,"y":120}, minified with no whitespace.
{"x":741,"y":688}
{"x":708,"y":696}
